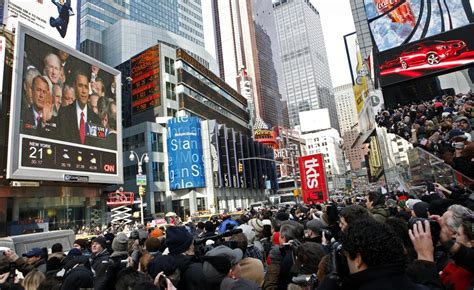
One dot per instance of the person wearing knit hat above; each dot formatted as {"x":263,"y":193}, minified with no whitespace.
{"x":100,"y":260}
{"x":156,"y":233}
{"x":256,"y":224}
{"x":178,"y":240}
{"x":120,"y":244}
{"x":100,"y":241}
{"x":181,"y":250}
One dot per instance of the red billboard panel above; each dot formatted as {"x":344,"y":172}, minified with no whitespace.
{"x":146,"y":80}
{"x":313,"y":180}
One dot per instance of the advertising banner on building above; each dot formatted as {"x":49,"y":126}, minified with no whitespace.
{"x":398,"y":22}
{"x":3,"y":48}
{"x":64,"y":108}
{"x":56,"y":18}
{"x":359,"y":71}
{"x":185,"y":163}
{"x":145,"y":74}
{"x":313,"y":180}
{"x":432,"y":55}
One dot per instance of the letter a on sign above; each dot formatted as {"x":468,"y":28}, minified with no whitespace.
{"x":313,"y":181}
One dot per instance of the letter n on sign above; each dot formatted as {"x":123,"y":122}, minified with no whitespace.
{"x":313,"y":180}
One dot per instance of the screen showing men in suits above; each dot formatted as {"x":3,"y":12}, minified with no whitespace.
{"x":71,"y":103}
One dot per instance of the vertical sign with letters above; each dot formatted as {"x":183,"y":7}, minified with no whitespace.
{"x":313,"y":181}
{"x":185,"y":162}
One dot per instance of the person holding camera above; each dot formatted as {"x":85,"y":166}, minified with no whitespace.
{"x":376,"y":259}
{"x":282,"y":257}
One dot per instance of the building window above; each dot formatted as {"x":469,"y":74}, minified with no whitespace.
{"x":133,"y":142}
{"x":169,"y":65}
{"x":158,"y":171}
{"x":156,"y":142}
{"x":170,"y":112}
{"x":170,"y":93}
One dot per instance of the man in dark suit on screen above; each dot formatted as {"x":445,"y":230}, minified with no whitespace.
{"x":75,"y":119}
{"x":38,"y":120}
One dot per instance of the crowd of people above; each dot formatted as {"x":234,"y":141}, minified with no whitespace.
{"x":442,"y":126}
{"x":57,"y":89}
{"x":384,"y":241}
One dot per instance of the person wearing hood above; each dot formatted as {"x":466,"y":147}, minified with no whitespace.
{"x":376,"y":206}
{"x":77,"y":273}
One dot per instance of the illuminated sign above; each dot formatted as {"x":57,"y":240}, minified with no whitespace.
{"x":185,"y":155}
{"x":313,"y":180}
{"x":429,"y":56}
{"x":63,"y":114}
{"x":398,"y":22}
{"x":145,"y":74}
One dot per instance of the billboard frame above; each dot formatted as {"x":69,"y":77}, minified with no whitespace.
{"x":14,"y":168}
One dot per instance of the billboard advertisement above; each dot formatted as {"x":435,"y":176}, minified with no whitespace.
{"x":315,"y":120}
{"x":55,"y":18}
{"x":145,"y":74}
{"x":360,"y":72}
{"x":397,"y":22}
{"x":185,"y":163}
{"x":313,"y":180}
{"x":64,"y":108}
{"x":432,"y":55}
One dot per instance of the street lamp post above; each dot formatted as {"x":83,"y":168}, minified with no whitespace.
{"x":140,"y":160}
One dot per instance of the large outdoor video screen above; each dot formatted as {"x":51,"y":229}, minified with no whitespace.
{"x":447,"y":51}
{"x":65,"y":114}
{"x":398,"y":22}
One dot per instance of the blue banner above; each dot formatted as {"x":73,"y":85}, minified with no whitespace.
{"x":185,"y":164}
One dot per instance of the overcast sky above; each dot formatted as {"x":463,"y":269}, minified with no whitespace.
{"x":337,"y":21}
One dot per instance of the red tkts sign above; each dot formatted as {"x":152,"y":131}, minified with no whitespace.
{"x":313,"y":181}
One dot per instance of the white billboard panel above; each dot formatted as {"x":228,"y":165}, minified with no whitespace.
{"x":315,"y":120}
{"x":55,"y":18}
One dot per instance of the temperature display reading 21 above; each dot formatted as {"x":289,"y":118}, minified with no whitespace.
{"x":39,"y":152}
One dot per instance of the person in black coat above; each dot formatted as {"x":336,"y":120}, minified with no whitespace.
{"x":78,"y":274}
{"x":75,"y":119}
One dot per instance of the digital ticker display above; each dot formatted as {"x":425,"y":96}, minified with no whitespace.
{"x":64,"y":112}
{"x":146,"y":80}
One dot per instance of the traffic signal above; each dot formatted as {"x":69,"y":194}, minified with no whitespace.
{"x":296,"y":192}
{"x":141,"y":190}
{"x":241,"y":167}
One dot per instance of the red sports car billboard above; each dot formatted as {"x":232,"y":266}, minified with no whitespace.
{"x":429,"y":56}
{"x":398,"y":22}
{"x":313,"y":180}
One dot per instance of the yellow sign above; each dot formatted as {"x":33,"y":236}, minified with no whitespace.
{"x":361,"y":88}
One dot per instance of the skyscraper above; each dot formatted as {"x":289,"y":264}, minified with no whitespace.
{"x":182,"y":17}
{"x":346,"y":107}
{"x":303,"y":58}
{"x":244,"y":35}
